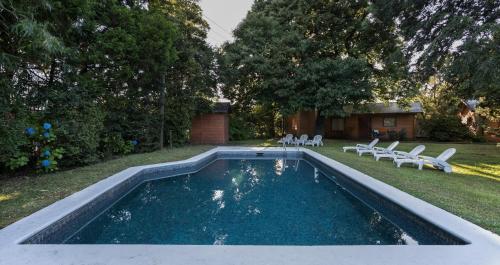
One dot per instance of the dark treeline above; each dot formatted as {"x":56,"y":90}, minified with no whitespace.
{"x":291,"y":55}
{"x":88,"y":78}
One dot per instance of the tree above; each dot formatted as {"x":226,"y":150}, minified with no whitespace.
{"x":320,"y":55}
{"x":93,"y":69}
{"x":457,"y":41}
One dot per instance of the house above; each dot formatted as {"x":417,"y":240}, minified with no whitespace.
{"x":360,"y":123}
{"x":212,"y":127}
{"x":477,"y":124}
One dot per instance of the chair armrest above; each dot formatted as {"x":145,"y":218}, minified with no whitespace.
{"x":427,"y":157}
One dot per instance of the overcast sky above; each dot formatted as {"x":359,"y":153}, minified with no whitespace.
{"x":223,"y":17}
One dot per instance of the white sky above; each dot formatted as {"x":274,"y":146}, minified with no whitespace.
{"x":223,"y":17}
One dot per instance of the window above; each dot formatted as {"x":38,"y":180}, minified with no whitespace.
{"x":337,"y":124}
{"x":389,"y":122}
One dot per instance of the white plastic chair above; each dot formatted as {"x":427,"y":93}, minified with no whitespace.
{"x":440,"y":161}
{"x":361,"y":146}
{"x":302,"y":140}
{"x":411,"y":157}
{"x":400,"y":154}
{"x":288,"y":139}
{"x":380,"y":150}
{"x":316,"y":141}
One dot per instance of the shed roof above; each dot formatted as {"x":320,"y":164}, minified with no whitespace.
{"x":221,"y":107}
{"x":387,"y":108}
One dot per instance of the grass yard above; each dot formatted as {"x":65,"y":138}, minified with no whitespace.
{"x":472,"y":192}
{"x":22,"y":196}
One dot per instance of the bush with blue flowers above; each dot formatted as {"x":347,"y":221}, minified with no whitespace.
{"x":41,"y":151}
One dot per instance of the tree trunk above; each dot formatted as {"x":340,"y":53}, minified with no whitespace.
{"x":320,"y":123}
{"x":162,"y":110}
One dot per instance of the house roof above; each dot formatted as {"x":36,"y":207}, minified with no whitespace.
{"x":222,"y":107}
{"x":471,"y":104}
{"x":386,"y":108}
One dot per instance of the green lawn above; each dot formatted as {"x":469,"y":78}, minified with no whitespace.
{"x":472,"y":192}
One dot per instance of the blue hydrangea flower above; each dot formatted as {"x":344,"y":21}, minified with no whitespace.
{"x":46,"y":134}
{"x":30,"y":131}
{"x":47,"y":126}
{"x":45,"y":163}
{"x":135,"y":142}
{"x":46,"y":153}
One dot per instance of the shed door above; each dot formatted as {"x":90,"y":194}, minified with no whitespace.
{"x":365,"y":127}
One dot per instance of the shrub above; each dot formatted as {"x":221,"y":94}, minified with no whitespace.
{"x":446,"y":128}
{"x":239,"y":129}
{"x":114,"y":144}
{"x":393,"y":135}
{"x":403,"y":135}
{"x":39,"y":149}
{"x":14,"y":144}
{"x":79,"y":135}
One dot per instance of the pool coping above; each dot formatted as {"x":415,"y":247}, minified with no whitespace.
{"x":483,"y":247}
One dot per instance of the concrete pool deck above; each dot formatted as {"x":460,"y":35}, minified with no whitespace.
{"x":483,"y":246}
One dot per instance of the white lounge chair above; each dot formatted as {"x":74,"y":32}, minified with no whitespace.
{"x":380,"y":150}
{"x":361,"y":146}
{"x":316,"y":141}
{"x":302,"y":140}
{"x":440,"y":161}
{"x":411,"y":157}
{"x":400,"y":154}
{"x":288,"y":139}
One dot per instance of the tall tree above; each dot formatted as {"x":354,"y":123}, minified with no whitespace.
{"x":458,"y":41}
{"x":93,"y":68}
{"x":320,"y":55}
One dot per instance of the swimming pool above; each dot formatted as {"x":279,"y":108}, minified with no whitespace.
{"x":251,"y":202}
{"x":257,"y":205}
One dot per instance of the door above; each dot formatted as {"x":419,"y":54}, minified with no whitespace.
{"x":364,"y":127}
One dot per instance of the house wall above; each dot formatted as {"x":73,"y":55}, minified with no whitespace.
{"x":304,"y":122}
{"x":210,"y":129}
{"x":352,"y":125}
{"x":403,"y":121}
{"x":351,"y":130}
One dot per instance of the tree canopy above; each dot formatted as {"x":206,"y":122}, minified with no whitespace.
{"x":93,"y":69}
{"x":457,"y":41}
{"x":313,"y":55}
{"x":325,"y":55}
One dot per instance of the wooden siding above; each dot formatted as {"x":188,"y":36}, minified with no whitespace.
{"x":304,"y":122}
{"x":210,"y":129}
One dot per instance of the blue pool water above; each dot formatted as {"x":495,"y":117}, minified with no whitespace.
{"x":245,"y":202}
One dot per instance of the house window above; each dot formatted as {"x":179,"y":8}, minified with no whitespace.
{"x":389,"y":122}
{"x":337,"y":124}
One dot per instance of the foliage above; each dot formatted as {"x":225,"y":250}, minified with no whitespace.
{"x":446,"y":128}
{"x":240,"y":129}
{"x":403,"y":134}
{"x":94,"y":67}
{"x":114,"y":144}
{"x":305,"y":55}
{"x":458,"y":40}
{"x":400,"y":135}
{"x":40,"y":149}
{"x":392,"y":134}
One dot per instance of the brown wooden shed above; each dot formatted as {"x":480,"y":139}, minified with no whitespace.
{"x":213,"y":127}
{"x":361,"y":122}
